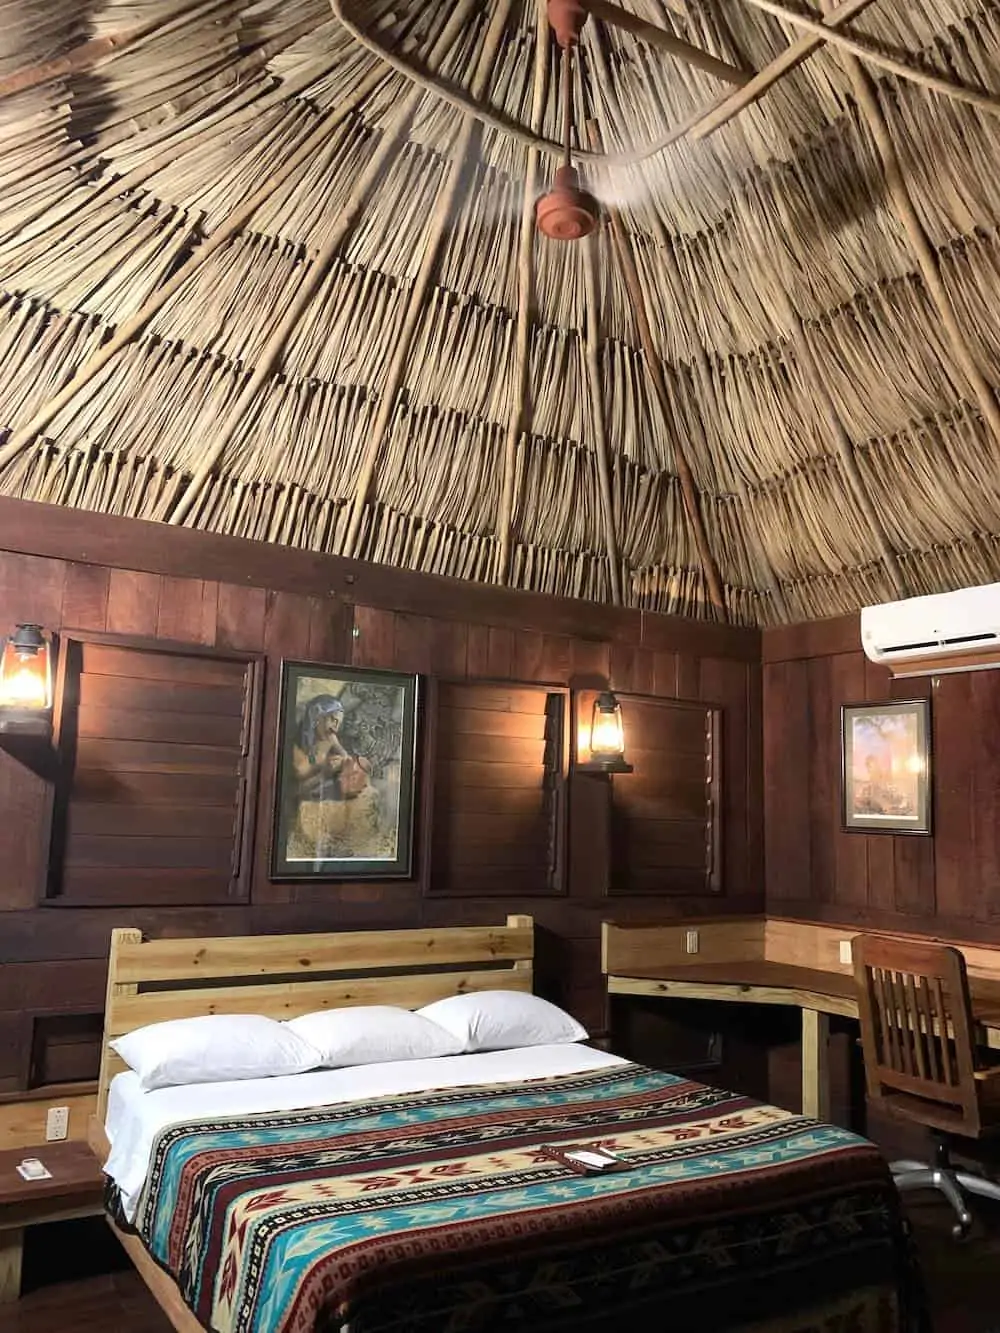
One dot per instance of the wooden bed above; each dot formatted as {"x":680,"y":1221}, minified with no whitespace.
{"x":588,"y":1242}
{"x":151,"y":981}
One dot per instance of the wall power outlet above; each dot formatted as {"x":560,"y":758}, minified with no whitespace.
{"x":56,"y":1123}
{"x":691,"y":941}
{"x":845,"y":952}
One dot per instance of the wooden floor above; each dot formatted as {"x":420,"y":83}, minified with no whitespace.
{"x":962,"y":1279}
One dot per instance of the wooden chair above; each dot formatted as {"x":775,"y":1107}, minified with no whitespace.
{"x":921,"y":1059}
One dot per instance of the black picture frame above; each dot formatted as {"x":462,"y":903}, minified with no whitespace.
{"x":886,"y":777}
{"x":345,"y":767}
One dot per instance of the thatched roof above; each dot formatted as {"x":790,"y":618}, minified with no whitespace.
{"x":269,"y":267}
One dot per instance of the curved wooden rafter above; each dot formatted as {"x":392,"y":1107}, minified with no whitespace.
{"x":435,"y":229}
{"x":520,"y":411}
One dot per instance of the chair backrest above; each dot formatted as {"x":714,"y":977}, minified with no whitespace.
{"x":916,"y":1031}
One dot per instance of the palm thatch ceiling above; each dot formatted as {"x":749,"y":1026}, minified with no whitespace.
{"x":269,"y":267}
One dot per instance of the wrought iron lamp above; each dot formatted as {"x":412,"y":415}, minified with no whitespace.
{"x":26,"y":683}
{"x":607,"y":737}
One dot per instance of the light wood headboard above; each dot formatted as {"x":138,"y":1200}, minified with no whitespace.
{"x":281,"y":976}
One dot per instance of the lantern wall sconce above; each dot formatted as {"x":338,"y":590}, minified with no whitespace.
{"x":26,"y":686}
{"x":601,"y":748}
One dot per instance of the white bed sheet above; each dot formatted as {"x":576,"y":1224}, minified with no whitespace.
{"x":134,"y":1118}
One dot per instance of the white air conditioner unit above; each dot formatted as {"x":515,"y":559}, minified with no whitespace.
{"x":949,"y":631}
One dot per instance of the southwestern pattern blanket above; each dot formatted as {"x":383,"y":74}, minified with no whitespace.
{"x":442,"y":1211}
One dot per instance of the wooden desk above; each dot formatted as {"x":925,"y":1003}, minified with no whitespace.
{"x":76,"y":1189}
{"x":818,"y":994}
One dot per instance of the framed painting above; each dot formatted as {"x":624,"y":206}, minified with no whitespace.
{"x":344,"y":773}
{"x":887,"y":767}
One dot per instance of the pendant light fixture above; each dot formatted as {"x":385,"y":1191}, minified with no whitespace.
{"x":567,"y":213}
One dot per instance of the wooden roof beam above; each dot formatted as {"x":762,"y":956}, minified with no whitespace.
{"x":689,"y":492}
{"x":520,"y":410}
{"x":722,"y":112}
{"x":435,"y":230}
{"x":659,"y":37}
{"x":960,"y":92}
{"x":95,"y":51}
{"x":602,"y":448}
{"x":270,"y":358}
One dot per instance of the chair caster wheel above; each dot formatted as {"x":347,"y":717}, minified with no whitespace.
{"x":961,"y":1229}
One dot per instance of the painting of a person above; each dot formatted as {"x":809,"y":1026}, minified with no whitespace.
{"x":340,"y":794}
{"x":318,"y":755}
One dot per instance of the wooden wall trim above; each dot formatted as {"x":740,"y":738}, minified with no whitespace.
{"x":813,"y":638}
{"x":78,"y":535}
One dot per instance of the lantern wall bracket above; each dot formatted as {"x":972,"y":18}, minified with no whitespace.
{"x":33,"y":749}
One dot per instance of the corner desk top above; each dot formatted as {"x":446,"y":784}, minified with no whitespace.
{"x":756,"y":981}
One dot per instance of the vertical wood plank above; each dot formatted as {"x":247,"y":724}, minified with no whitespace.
{"x":477,"y":660}
{"x":501,"y":653}
{"x":331,"y":622}
{"x":954,"y":794}
{"x":85,"y":597}
{"x":815,"y":1064}
{"x":374,"y":639}
{"x":556,"y":659}
{"x":31,"y":591}
{"x":881,"y":847}
{"x":755,"y":780}
{"x":823,"y":750}
{"x":240,"y":618}
{"x":449,"y":642}
{"x":287,"y":621}
{"x":529,"y":647}
{"x":188,"y":610}
{"x":724,"y":682}
{"x":622,"y":671}
{"x":133,"y":602}
{"x":985,"y":739}
{"x":850,"y":850}
{"x":11,"y":1251}
{"x":688,"y":675}
{"x":665,"y":680}
{"x":590,"y":663}
{"x":412,"y":644}
{"x":787,"y":829}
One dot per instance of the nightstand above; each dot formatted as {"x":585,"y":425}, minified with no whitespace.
{"x":76,"y":1189}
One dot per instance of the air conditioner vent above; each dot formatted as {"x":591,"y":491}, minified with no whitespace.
{"x":949,"y":631}
{"x":952,"y":641}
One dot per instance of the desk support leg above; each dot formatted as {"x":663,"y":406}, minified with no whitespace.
{"x":11,"y":1247}
{"x":815,"y":1066}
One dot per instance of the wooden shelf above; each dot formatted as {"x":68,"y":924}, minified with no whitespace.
{"x":75,"y":1189}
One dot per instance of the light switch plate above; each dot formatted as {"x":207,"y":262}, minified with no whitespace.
{"x":56,"y":1123}
{"x":691,"y":942}
{"x":845,"y":952}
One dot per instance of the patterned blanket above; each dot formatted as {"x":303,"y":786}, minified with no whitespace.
{"x":441,"y":1212}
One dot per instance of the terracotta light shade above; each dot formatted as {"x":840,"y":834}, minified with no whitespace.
{"x":566,"y":19}
{"x":567,"y":213}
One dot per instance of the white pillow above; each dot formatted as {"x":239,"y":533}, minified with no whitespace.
{"x":369,"y":1034}
{"x":213,"y":1049}
{"x":495,"y":1020}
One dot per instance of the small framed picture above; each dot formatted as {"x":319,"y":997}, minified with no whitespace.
{"x":344,"y":783}
{"x":886,"y":754}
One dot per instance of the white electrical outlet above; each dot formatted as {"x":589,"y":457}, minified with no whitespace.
{"x":56,"y":1123}
{"x":845,"y":952}
{"x":691,"y":943}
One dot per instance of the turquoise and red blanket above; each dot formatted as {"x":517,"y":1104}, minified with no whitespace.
{"x":442,"y":1212}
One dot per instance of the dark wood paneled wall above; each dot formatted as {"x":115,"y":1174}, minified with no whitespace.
{"x":71,"y":570}
{"x":947,"y":883}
